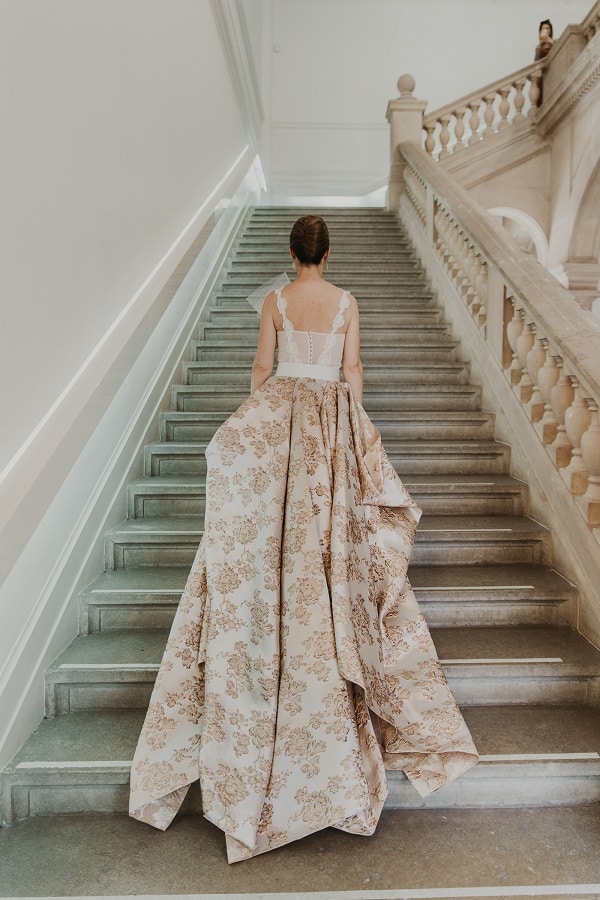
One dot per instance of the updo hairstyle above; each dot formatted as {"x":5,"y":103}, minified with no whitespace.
{"x":309,"y":239}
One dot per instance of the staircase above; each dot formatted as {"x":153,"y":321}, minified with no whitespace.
{"x":482,"y":569}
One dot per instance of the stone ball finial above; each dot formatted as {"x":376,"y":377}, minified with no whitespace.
{"x":406,"y":85}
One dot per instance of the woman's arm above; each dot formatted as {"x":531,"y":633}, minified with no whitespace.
{"x":265,"y":350}
{"x":351,"y":364}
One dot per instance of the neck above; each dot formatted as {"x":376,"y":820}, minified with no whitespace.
{"x":310,"y":273}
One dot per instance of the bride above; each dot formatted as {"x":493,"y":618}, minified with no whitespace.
{"x":299,"y":667}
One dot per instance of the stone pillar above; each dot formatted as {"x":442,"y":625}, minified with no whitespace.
{"x":405,"y":116}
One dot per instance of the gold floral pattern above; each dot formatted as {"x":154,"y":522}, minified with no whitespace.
{"x":299,"y":664}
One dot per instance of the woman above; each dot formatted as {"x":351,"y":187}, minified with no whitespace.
{"x":546,"y":40}
{"x":299,"y":665}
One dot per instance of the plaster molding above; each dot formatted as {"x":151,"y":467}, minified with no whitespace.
{"x":231,"y":25}
{"x":576,"y":86}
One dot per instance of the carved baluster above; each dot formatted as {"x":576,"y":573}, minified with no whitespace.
{"x":534,"y":90}
{"x":547,"y":377}
{"x":444,"y":134}
{"x":535,"y":360}
{"x":514,"y":327}
{"x":504,"y":107}
{"x":561,"y":397}
{"x":467,"y":272}
{"x":524,"y":345}
{"x":430,"y":140}
{"x":577,"y":420}
{"x":519,"y":99}
{"x":482,"y":292}
{"x":471,"y":297}
{"x":443,"y":247}
{"x":474,"y":121}
{"x":459,"y":128}
{"x":473,"y":272}
{"x":590,"y":451}
{"x":488,"y":114}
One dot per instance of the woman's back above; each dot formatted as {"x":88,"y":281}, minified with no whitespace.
{"x":322,"y":345}
{"x":311,"y":307}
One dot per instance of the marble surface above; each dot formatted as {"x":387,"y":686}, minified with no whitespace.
{"x":411,"y":850}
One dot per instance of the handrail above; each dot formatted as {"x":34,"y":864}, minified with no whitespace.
{"x":547,"y":347}
{"x":591,"y":24}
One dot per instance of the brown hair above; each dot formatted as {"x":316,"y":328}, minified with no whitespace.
{"x":548,"y":23}
{"x":309,"y":239}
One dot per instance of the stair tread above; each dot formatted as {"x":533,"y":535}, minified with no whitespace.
{"x":429,"y":524}
{"x":172,"y":579}
{"x":111,"y":736}
{"x":422,"y":445}
{"x":559,"y":651}
{"x":195,"y":483}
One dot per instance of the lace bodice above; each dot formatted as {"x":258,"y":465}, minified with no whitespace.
{"x":311,"y":347}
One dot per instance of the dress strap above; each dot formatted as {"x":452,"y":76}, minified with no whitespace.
{"x":292,"y":347}
{"x":339,"y":318}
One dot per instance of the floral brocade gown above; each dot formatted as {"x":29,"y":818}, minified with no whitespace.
{"x":299,"y":666}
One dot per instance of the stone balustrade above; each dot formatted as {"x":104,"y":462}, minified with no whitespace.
{"x":591,"y":24}
{"x":509,"y":101}
{"x":543,"y":343}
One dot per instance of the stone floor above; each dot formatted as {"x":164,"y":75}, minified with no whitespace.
{"x":415,"y":853}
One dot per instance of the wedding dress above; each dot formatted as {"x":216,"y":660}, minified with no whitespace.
{"x":299,"y":666}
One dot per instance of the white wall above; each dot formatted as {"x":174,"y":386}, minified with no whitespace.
{"x":332,"y":65}
{"x":118,"y":118}
{"x":122,"y":134}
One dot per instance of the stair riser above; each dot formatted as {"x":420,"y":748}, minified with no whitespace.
{"x":132,"y":614}
{"x":386,"y":306}
{"x":371,"y":293}
{"x":243,"y":320}
{"x":111,"y":692}
{"x":520,"y":551}
{"x":375,"y":337}
{"x":514,"y":786}
{"x":198,"y":401}
{"x":371,"y":356}
{"x":171,"y":430}
{"x":417,"y":464}
{"x":397,"y":282}
{"x":196,"y":373}
{"x":451,"y":504}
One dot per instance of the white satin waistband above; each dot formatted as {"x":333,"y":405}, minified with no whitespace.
{"x":308,"y":370}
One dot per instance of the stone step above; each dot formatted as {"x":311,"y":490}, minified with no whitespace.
{"x":410,"y":458}
{"x":440,"y":540}
{"x":241,"y":318}
{"x":442,"y":349}
{"x":352,"y":281}
{"x":232,"y":372}
{"x":277,"y":253}
{"x":532,"y":755}
{"x":484,"y":666}
{"x":449,"y":596}
{"x":370,"y":292}
{"x":376,"y":304}
{"x":390,"y":398}
{"x":402,"y":263}
{"x":184,"y":495}
{"x":377,"y":335}
{"x":337,"y":234}
{"x":409,"y":426}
